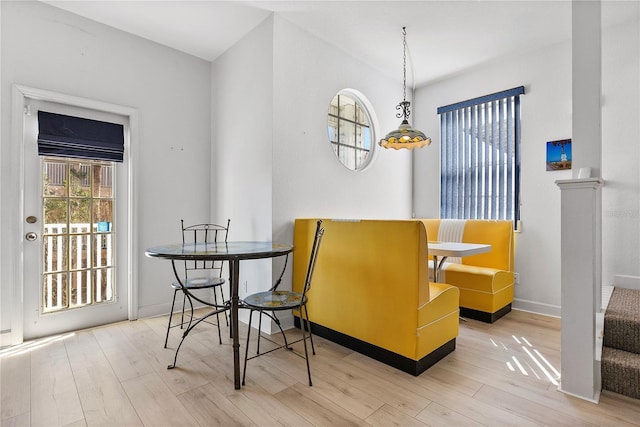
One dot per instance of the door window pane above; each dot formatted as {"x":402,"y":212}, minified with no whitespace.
{"x":54,"y":292}
{"x":80,"y":179}
{"x":78,"y":203}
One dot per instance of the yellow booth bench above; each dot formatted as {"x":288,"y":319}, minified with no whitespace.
{"x":371,"y":291}
{"x":486,"y":280}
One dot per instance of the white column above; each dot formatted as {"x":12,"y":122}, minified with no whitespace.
{"x":581,"y":216}
{"x":581,"y":253}
{"x":586,"y":60}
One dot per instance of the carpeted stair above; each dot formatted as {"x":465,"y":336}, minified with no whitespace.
{"x":621,"y":352}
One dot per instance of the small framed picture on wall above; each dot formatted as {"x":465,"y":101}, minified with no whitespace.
{"x":559,"y":155}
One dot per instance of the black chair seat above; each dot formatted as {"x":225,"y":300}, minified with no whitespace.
{"x":275,"y":300}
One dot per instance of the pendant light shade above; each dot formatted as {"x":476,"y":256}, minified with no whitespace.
{"x":405,"y":136}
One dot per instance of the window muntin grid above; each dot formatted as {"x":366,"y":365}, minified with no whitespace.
{"x":350,"y":131}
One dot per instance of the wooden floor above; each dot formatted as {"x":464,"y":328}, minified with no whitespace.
{"x":499,"y":375}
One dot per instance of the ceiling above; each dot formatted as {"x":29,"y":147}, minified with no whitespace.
{"x":443,"y":37}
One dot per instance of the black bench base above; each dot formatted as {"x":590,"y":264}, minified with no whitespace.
{"x":483,"y":316}
{"x":380,"y":354}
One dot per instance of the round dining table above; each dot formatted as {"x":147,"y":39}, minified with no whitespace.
{"x":233,"y":252}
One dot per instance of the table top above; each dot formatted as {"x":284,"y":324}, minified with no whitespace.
{"x":457,"y":249}
{"x":219,"y":251}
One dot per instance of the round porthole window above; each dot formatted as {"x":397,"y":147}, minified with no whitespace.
{"x":351,"y":132}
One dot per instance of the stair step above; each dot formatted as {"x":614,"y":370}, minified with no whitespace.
{"x":621,"y":372}
{"x":622,"y":320}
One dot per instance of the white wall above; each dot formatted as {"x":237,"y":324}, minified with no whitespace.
{"x":274,"y":88}
{"x":546,"y":115}
{"x":242,"y":116}
{"x":47,"y":48}
{"x":308,"y":179}
{"x":620,"y":147}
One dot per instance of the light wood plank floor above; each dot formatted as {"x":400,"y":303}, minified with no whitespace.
{"x":500,"y":375}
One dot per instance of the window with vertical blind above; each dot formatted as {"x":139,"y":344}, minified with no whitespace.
{"x":480,"y":157}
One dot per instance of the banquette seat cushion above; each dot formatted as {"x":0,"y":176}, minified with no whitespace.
{"x":486,"y":281}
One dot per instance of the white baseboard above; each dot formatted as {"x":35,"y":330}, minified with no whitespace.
{"x":154,"y":310}
{"x":621,"y":281}
{"x":595,"y":399}
{"x":536,"y":307}
{"x":599,"y":335}
{"x":607,"y":291}
{"x":5,"y":338}
{"x":164,"y":308}
{"x":627,"y":282}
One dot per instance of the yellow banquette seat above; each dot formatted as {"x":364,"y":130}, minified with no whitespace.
{"x":486,"y":281}
{"x":371,"y":291}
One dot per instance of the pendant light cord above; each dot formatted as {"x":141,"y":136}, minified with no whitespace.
{"x":404,"y":63}
{"x":403,"y":107}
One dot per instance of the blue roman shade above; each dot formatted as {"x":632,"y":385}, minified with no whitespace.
{"x":68,"y":136}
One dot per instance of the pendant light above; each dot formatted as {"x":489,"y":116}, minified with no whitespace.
{"x":405,"y":136}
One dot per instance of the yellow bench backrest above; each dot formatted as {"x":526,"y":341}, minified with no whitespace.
{"x":370,"y":278}
{"x":497,"y":233}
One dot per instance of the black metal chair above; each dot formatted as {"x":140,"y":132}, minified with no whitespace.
{"x":274,"y":300}
{"x":200,"y":275}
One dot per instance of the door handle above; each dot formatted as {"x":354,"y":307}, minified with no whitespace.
{"x":31,"y":236}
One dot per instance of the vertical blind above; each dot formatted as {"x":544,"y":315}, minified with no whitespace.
{"x":480,"y":157}
{"x":68,"y":136}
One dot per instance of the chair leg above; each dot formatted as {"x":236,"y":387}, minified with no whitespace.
{"x":166,"y":339}
{"x":304,"y":340}
{"x":259,"y":330}
{"x":305,"y":325}
{"x":246,"y":349}
{"x":306,"y":314}
{"x":276,"y":320}
{"x":226,"y":318}
{"x":184,"y":298}
{"x":184,"y":335}
{"x":215,"y":302}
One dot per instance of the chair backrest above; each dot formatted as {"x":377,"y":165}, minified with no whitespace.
{"x":312,"y":260}
{"x":313,"y":257}
{"x":204,"y":233}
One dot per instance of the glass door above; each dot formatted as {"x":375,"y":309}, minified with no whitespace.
{"x":71,"y":249}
